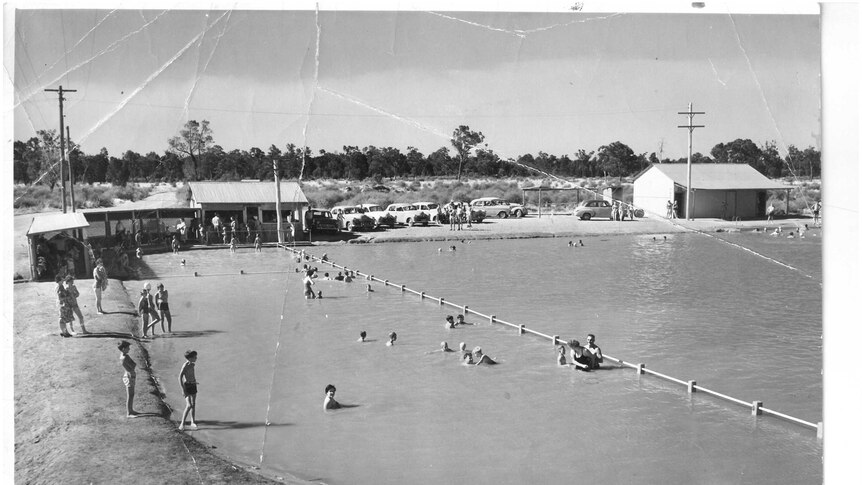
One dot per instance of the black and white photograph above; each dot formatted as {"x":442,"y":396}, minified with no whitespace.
{"x":431,"y":242}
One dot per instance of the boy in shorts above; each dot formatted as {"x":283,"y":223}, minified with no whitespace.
{"x":189,"y":385}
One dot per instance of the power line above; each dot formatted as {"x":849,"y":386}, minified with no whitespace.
{"x":691,"y":128}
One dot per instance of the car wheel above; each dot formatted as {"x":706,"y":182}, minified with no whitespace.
{"x":503,"y":215}
{"x":410,"y":222}
{"x":519,"y":213}
{"x":347,"y":226}
{"x":586,"y":216}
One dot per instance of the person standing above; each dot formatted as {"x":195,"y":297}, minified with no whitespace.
{"x":669,"y":214}
{"x":162,"y":304}
{"x":73,"y":301}
{"x":189,"y":386}
{"x":675,"y":208}
{"x":144,"y":312}
{"x":770,"y":212}
{"x":100,"y":283}
{"x":593,"y":351}
{"x":63,"y":297}
{"x":128,"y":377}
{"x":817,"y":208}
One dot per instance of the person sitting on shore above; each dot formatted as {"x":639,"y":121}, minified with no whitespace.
{"x":329,"y":401}
{"x":480,"y":358}
{"x":593,"y":351}
{"x":391,"y":341}
{"x":579,"y":359}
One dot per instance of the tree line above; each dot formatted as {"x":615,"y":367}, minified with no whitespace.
{"x":194,"y":155}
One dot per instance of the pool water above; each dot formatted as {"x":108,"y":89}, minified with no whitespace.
{"x":690,"y":306}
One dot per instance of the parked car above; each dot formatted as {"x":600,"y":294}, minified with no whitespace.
{"x":408,"y":214}
{"x":589,"y":209}
{"x":478,"y":215}
{"x":495,"y":207}
{"x":352,"y":218}
{"x":432,"y":209}
{"x":320,"y":220}
{"x":379,"y":215}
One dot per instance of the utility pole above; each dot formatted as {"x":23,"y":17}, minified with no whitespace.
{"x":62,"y":142}
{"x":277,"y":201}
{"x":691,"y":128}
{"x":71,"y":172}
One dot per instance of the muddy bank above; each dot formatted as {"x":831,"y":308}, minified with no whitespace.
{"x":70,"y":420}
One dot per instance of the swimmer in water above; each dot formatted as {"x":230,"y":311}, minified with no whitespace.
{"x":460,"y":320}
{"x":561,"y":357}
{"x":319,"y":294}
{"x":462,"y":347}
{"x":369,"y":289}
{"x":392,"y":337}
{"x":362,"y":336}
{"x":444,"y":347}
{"x":480,"y":358}
{"x":580,"y":243}
{"x":450,"y":322}
{"x":579,"y":360}
{"x":571,"y":244}
{"x":329,"y":401}
{"x":183,"y":262}
{"x":467,"y":359}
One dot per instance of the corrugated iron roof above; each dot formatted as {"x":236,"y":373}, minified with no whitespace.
{"x":245,"y":192}
{"x":717,"y":176}
{"x":57,"y":222}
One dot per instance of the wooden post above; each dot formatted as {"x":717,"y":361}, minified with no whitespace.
{"x":521,"y":329}
{"x":755,"y":408}
{"x":402,"y":288}
{"x":385,"y":283}
{"x":441,"y":301}
{"x":465,"y":310}
{"x":640,"y":368}
{"x":556,"y":337}
{"x":691,"y":387}
{"x":492,"y":318}
{"x":422,"y":295}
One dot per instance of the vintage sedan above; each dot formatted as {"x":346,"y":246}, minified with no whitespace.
{"x":496,"y":207}
{"x":352,"y":218}
{"x":408,"y":214}
{"x":320,"y":220}
{"x":379,"y":215}
{"x":589,"y":209}
{"x":433,"y":210}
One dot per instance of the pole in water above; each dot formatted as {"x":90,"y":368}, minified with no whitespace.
{"x":521,"y":329}
{"x":691,"y":386}
{"x":756,"y":408}
{"x":640,"y":368}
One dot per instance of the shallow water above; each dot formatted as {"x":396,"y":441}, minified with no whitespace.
{"x":689,"y":306}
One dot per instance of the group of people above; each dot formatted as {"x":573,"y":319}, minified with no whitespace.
{"x":672,"y":209}
{"x":156,"y":308}
{"x":67,"y":299}
{"x":458,"y":213}
{"x":187,"y":381}
{"x":619,"y":211}
{"x":585,"y":357}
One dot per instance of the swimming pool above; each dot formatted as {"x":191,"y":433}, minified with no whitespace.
{"x":689,"y":306}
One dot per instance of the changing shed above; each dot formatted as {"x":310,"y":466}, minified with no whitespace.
{"x":719,"y":190}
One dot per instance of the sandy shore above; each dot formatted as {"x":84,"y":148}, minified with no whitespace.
{"x":70,"y":424}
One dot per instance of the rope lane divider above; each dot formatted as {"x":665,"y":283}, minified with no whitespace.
{"x":756,"y":407}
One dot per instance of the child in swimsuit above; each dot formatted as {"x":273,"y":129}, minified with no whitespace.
{"x":189,"y":385}
{"x":329,"y":401}
{"x":128,"y":377}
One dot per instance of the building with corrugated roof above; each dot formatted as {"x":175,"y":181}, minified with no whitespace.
{"x":719,"y":190}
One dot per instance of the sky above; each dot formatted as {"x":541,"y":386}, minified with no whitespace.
{"x":554,"y":82}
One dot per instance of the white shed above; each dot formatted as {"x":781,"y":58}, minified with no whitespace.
{"x":720,"y":190}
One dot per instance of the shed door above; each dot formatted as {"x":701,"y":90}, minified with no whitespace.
{"x":729,"y":204}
